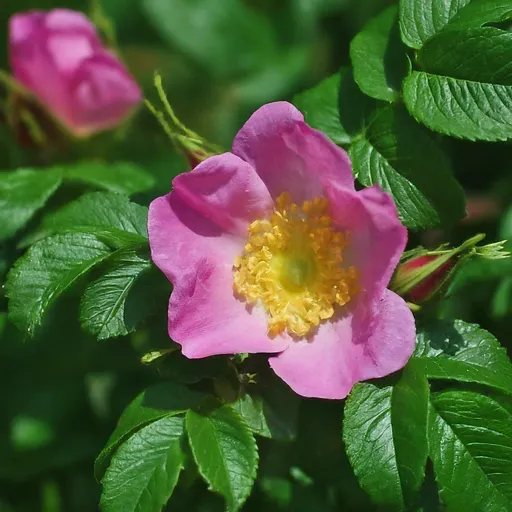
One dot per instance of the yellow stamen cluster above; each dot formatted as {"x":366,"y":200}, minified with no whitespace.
{"x":292,"y":265}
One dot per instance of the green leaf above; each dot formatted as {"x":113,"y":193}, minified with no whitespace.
{"x":158,"y":401}
{"x":465,"y":86}
{"x":400,"y":156}
{"x":379,"y":58}
{"x":225,"y":452}
{"x":271,"y":416}
{"x":251,"y":409}
{"x":385,"y":433}
{"x":480,"y":12}
{"x":502,"y":299}
{"x":420,"y":20}
{"x":470,"y":439}
{"x":210,"y":32}
{"x":456,"y":350}
{"x":46,"y":271}
{"x":25,"y":191}
{"x":477,"y":55}
{"x":111,"y":217}
{"x":120,"y":177}
{"x":357,"y":110}
{"x":320,"y":108}
{"x":109,"y":308}
{"x":145,"y":469}
{"x":503,"y":400}
{"x":22,"y":194}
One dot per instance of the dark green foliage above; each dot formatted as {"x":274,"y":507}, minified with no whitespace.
{"x":415,"y":91}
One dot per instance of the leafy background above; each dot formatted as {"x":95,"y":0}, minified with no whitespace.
{"x":63,"y":392}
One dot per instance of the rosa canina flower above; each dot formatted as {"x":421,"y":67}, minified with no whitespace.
{"x":271,"y":249}
{"x":58,"y":56}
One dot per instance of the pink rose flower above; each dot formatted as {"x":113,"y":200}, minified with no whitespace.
{"x":271,"y":249}
{"x":59,"y":57}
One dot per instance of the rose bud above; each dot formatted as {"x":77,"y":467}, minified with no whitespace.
{"x":58,"y":56}
{"x":423,"y":275}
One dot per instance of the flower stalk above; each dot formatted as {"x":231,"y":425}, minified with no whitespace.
{"x":195,"y":148}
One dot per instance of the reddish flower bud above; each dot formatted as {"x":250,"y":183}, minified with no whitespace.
{"x":424,"y":274}
{"x":430,"y":278}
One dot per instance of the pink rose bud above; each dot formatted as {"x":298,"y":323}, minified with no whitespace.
{"x":59,"y":57}
{"x":428,"y":275}
{"x":425,"y":275}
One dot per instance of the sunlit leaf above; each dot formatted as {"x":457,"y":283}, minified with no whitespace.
{"x":470,"y":439}
{"x":22,"y":194}
{"x":46,"y":271}
{"x":225,"y":452}
{"x":145,"y":469}
{"x":385,"y":433}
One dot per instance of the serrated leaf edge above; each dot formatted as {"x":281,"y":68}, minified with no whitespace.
{"x":253,"y":475}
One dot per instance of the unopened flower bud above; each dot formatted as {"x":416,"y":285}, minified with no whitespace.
{"x":59,"y":57}
{"x":424,"y":274}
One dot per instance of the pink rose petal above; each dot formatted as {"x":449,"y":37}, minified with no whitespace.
{"x":102,"y":94}
{"x":289,"y":155}
{"x":23,"y":25}
{"x":378,"y":238}
{"x":226,"y":190}
{"x":69,"y":50}
{"x":205,"y":317}
{"x":341,"y":355}
{"x":69,"y":21}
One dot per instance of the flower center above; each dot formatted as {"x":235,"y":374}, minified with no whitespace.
{"x":292,"y":265}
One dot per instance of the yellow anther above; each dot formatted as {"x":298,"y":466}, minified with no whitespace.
{"x":293,"y":266}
